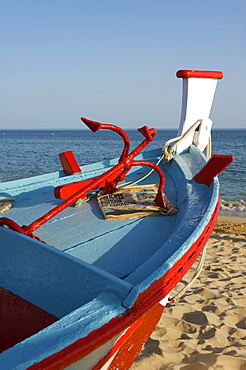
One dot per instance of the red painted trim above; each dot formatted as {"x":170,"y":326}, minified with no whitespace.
{"x":199,"y":74}
{"x":162,"y":287}
{"x":129,"y":351}
{"x":130,"y":343}
{"x":145,"y":302}
{"x":216,"y":164}
{"x":69,"y":163}
{"x":120,"y":342}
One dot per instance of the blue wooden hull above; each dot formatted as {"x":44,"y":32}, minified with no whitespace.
{"x":93,"y":271}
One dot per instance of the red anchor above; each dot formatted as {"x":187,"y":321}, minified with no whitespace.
{"x":108,"y":180}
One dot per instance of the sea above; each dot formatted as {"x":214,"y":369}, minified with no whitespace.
{"x":26,"y":153}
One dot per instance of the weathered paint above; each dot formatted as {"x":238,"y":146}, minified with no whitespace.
{"x":128,"y":346}
{"x":56,"y":282}
{"x":56,"y":272}
{"x":146,"y":301}
{"x":112,"y":276}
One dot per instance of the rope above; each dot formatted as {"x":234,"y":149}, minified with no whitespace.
{"x":198,"y":270}
{"x":209,"y":148}
{"x":168,"y":152}
{"x":130,"y":183}
{"x":167,"y":155}
{"x":80,"y":201}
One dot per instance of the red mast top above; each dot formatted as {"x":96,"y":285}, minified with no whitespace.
{"x":199,"y":74}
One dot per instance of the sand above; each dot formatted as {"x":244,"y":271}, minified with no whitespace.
{"x":206,"y":328}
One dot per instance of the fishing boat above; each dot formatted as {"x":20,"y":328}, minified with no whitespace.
{"x":90,"y":254}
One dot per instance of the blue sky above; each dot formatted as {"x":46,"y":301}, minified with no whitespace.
{"x":115,"y":61}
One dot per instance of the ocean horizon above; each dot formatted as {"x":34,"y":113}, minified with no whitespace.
{"x":27,"y":153}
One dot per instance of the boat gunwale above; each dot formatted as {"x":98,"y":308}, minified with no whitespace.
{"x":131,"y":298}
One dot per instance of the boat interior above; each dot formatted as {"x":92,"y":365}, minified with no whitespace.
{"x":84,"y":254}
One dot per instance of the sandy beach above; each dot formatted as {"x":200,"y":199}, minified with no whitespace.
{"x":206,"y":328}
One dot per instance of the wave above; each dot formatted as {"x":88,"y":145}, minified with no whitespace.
{"x":233,"y":205}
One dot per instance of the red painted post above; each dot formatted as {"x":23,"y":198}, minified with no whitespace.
{"x":69,"y":163}
{"x":216,"y":164}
